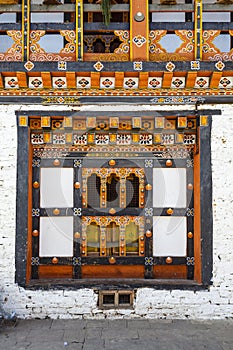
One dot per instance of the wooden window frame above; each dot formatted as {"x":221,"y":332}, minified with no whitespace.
{"x":203,"y":231}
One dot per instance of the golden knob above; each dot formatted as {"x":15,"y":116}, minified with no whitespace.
{"x":56,"y":162}
{"x":77,"y":185}
{"x":148,"y":187}
{"x":170,"y":211}
{"x":35,"y":233}
{"x":54,"y":260}
{"x":76,"y":235}
{"x":190,"y":234}
{"x":148,"y":233}
{"x":112,"y":162}
{"x":56,"y":212}
{"x":36,"y":184}
{"x":169,"y":162}
{"x":168,"y":260}
{"x":112,"y":260}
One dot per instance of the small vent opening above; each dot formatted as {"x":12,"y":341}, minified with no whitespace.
{"x":108,"y":299}
{"x":125,"y":299}
{"x":116,"y":299}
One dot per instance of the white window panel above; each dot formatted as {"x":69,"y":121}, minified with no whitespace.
{"x":56,"y":236}
{"x":169,"y":236}
{"x":169,"y":187}
{"x":56,"y":189}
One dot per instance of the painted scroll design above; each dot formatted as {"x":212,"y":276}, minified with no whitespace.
{"x":14,"y":53}
{"x":39,"y":54}
{"x":222,"y":56}
{"x":159,"y":53}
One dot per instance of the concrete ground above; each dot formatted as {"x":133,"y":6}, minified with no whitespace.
{"x":118,"y":334}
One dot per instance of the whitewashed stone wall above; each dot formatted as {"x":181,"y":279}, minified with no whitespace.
{"x":217,"y":302}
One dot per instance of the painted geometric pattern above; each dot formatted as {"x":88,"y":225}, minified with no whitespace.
{"x":40,"y":138}
{"x":146,"y":139}
{"x":80,"y":139}
{"x":154,"y":83}
{"x":139,"y":40}
{"x":226,"y":82}
{"x":123,"y":139}
{"x":107,"y":83}
{"x":57,"y":124}
{"x":59,"y":139}
{"x":59,"y":82}
{"x":178,"y":82}
{"x":189,"y":139}
{"x":130,"y":83}
{"x":35,"y":82}
{"x":101,"y":139}
{"x":37,"y":138}
{"x":102,"y":124}
{"x":83,"y":82}
{"x":11,"y":83}
{"x":202,"y":82}
{"x":168,"y":139}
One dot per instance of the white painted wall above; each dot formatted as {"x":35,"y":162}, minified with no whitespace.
{"x":217,"y":302}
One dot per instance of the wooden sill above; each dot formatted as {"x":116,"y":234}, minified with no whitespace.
{"x":116,"y":284}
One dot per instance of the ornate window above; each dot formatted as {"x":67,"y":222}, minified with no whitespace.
{"x":113,"y":197}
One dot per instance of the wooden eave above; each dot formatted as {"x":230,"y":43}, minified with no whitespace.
{"x":72,"y":95}
{"x":118,"y":70}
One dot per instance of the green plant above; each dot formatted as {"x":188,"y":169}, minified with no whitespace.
{"x":106,"y":11}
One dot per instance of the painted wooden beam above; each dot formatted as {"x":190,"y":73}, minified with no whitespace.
{"x":22,"y":79}
{"x":198,"y":30}
{"x":167,"y":79}
{"x":118,"y":8}
{"x":143,"y":80}
{"x":52,"y":26}
{"x":111,"y":100}
{"x":10,"y":26}
{"x":189,"y":8}
{"x":139,"y":30}
{"x":1,"y":81}
{"x":102,"y":26}
{"x":116,"y":113}
{"x":79,"y":30}
{"x":119,"y":78}
{"x":87,"y":67}
{"x":46,"y":78}
{"x":215,"y":79}
{"x":95,"y":80}
{"x":71,"y":80}
{"x":190,"y":80}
